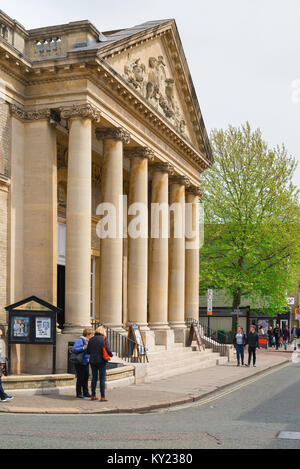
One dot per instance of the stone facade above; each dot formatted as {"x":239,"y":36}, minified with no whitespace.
{"x":86,"y":119}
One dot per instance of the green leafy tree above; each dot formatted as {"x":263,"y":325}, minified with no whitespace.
{"x":252,"y":215}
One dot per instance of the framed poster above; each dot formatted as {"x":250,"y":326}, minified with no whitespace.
{"x":20,"y":328}
{"x":43,"y":328}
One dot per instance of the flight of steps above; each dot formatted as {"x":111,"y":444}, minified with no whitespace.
{"x":178,"y":360}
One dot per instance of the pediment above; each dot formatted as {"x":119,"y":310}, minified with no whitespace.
{"x":151,"y":67}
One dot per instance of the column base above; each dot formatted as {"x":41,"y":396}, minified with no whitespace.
{"x":180,"y":332}
{"x":163,"y":334}
{"x":149,"y":339}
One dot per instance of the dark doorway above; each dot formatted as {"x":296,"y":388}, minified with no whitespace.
{"x":61,"y":274}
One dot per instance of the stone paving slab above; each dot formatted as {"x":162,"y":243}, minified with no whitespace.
{"x":169,"y":392}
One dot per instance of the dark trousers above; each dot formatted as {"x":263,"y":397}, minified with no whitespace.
{"x":3,"y":394}
{"x":100,"y":369}
{"x":270,"y":341}
{"x":277,"y":341}
{"x":82,"y":373}
{"x":251,"y":351}
{"x":240,"y":349}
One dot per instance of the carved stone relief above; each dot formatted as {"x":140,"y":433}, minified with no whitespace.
{"x":152,"y":82}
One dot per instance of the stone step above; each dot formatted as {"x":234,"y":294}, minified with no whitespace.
{"x":165,"y":365}
{"x":175,"y":353}
{"x":163,"y":374}
{"x":188,"y":356}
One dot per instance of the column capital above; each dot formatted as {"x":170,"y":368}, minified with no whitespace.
{"x":114,"y":133}
{"x":33,"y":115}
{"x":163,"y":167}
{"x":141,"y":152}
{"x":195,"y":190}
{"x":182,"y":180}
{"x":85,"y":111}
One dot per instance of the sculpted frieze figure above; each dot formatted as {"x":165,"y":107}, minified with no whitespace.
{"x":156,"y":87}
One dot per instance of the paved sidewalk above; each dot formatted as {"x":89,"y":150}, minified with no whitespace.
{"x":178,"y":390}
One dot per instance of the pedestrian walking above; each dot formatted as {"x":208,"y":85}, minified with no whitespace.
{"x":253,"y":344}
{"x":82,"y":369}
{"x":270,"y":336}
{"x":286,"y":337}
{"x":99,"y":351}
{"x":277,"y":335}
{"x":239,"y":342}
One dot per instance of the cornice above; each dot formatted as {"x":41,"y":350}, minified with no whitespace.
{"x":84,"y":111}
{"x":141,"y":152}
{"x":114,"y":133}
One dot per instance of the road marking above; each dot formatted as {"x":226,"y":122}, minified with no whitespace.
{"x":289,"y":436}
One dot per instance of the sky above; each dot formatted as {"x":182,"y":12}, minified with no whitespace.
{"x":244,"y":55}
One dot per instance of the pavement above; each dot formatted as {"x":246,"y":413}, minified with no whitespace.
{"x":144,"y":398}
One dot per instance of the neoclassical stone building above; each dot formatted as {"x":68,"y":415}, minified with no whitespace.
{"x":86,"y":117}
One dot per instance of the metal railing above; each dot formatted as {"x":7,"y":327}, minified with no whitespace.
{"x":220,"y":339}
{"x":122,"y":346}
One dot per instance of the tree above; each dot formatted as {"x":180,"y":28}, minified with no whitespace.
{"x":252,"y":215}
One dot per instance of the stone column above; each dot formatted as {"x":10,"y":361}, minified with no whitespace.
{"x":192,"y":259}
{"x":137,"y":276}
{"x":111,"y":248}
{"x":158,"y":269}
{"x":177,"y":257}
{"x":138,"y":242}
{"x":78,"y":236}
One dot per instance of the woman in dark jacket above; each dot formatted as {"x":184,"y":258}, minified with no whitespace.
{"x":98,"y":362}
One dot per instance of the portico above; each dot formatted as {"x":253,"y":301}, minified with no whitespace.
{"x":111,"y":122}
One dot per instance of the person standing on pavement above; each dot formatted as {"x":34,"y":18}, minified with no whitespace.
{"x":98,"y":361}
{"x":239,"y":343}
{"x":82,"y":370}
{"x":295,"y":334}
{"x":253,"y":344}
{"x":277,"y":335}
{"x":286,"y":337}
{"x":3,"y":396}
{"x":270,"y":336}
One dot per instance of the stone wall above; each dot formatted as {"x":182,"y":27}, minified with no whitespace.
{"x":3,"y":249}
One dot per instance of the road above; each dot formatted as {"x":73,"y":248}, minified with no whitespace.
{"x":248,"y":417}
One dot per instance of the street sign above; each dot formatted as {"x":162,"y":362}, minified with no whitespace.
{"x":291,"y":301}
{"x":209,"y":302}
{"x":297,"y":314}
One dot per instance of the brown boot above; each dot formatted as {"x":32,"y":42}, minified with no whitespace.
{"x":104,"y":399}
{"x":94,"y":398}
